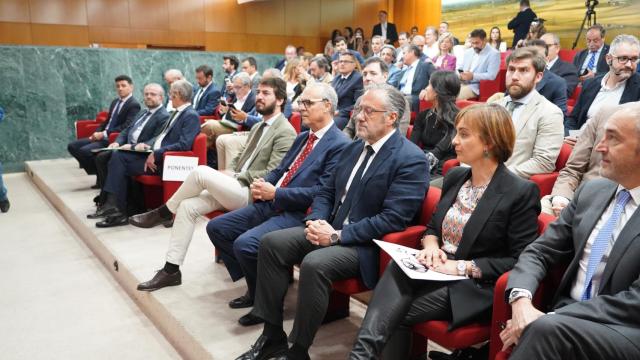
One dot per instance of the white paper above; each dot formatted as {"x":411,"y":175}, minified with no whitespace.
{"x":177,"y":168}
{"x":405,"y":257}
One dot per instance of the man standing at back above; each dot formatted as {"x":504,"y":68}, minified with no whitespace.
{"x":385,"y":29}
{"x":521,"y":23}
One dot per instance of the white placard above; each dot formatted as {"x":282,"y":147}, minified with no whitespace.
{"x":405,"y":257}
{"x":176,"y":168}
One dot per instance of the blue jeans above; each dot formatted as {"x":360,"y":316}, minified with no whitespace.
{"x":3,"y":189}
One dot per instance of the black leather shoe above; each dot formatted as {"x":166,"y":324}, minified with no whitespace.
{"x":95,"y":186}
{"x":265,"y":348}
{"x":249,"y":320}
{"x":168,"y":224}
{"x":102,"y":212}
{"x":5,"y":205}
{"x":149,"y":219}
{"x":243,"y":301}
{"x":160,"y":280}
{"x":117,"y":219}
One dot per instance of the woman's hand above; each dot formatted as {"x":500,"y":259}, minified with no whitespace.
{"x":431,"y":257}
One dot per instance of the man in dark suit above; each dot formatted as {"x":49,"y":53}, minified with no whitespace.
{"x":385,"y":29}
{"x":341,"y":47}
{"x":621,"y":84}
{"x":415,"y":76}
{"x":121,"y":112}
{"x":177,"y":135}
{"x":142,"y":131}
{"x":521,"y":23}
{"x":592,"y":60}
{"x":551,"y":86}
{"x":596,"y":304}
{"x":348,"y":86}
{"x":206,"y":97}
{"x":290,"y":52}
{"x":565,"y":70}
{"x":283,"y":196}
{"x":377,"y":188}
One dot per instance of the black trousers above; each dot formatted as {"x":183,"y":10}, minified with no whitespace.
{"x":319,"y":268}
{"x":398,"y":303}
{"x":557,"y":336}
{"x":102,"y":164}
{"x":81,"y":150}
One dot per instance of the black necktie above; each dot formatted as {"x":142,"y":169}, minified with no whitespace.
{"x":345,"y":208}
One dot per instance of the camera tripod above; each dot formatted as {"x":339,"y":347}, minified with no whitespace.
{"x":589,"y":19}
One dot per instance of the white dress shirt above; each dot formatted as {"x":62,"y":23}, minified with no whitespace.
{"x":517,"y":112}
{"x":408,"y":77}
{"x":264,"y":133}
{"x":199,"y":94}
{"x":138,"y":129}
{"x":552,"y":62}
{"x":595,"y":63}
{"x":121,"y":103}
{"x":179,"y":110}
{"x":606,"y":95}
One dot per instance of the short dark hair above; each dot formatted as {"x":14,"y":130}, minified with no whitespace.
{"x":349,"y":54}
{"x":538,"y":43}
{"x":233,"y":60}
{"x":538,"y":61}
{"x":478,"y":33}
{"x":251,"y":60}
{"x":126,"y":78}
{"x":444,"y":22}
{"x":415,"y":50}
{"x":384,"y":68}
{"x":321,"y":62}
{"x":338,"y":39}
{"x":525,"y":3}
{"x":598,"y":27}
{"x":205,"y":69}
{"x":278,"y":85}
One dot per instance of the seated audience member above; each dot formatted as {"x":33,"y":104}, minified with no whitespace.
{"x":177,"y":135}
{"x":205,"y":99}
{"x":621,"y":84}
{"x":282,"y":197}
{"x":170,"y":76}
{"x":319,"y":70}
{"x":206,"y":190}
{"x":376,"y":46}
{"x":388,"y":55}
{"x":341,"y":47}
{"x":432,"y":47}
{"x":480,"y":62}
{"x":551,"y":86}
{"x":444,"y":28}
{"x":592,"y":61}
{"x":521,"y":23}
{"x":583,"y":163}
{"x":385,"y":29}
{"x":121,"y":112}
{"x":331,"y":43}
{"x":445,"y":60}
{"x":414,"y":32}
{"x":142,"y":132}
{"x":420,"y":41}
{"x":360,"y":43}
{"x":230,"y":66}
{"x":434,"y":128}
{"x":348,"y":85}
{"x":374,"y":72}
{"x":292,"y":75}
{"x":593,"y":313}
{"x":415,"y":76}
{"x":250,"y":66}
{"x":537,"y":121}
{"x":536,"y":30}
{"x":290,"y":53}
{"x":565,"y":70}
{"x":403,"y":40}
{"x":485,"y":140}
{"x":495,"y":39}
{"x":337,"y":241}
{"x":4,"y":200}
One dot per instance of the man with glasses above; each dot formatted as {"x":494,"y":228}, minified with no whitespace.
{"x":206,"y":190}
{"x":377,"y":188}
{"x":348,"y":86}
{"x":592,"y":60}
{"x":282,"y":197}
{"x":621,"y":84}
{"x":565,"y":70}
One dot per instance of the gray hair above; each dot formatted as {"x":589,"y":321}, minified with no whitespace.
{"x":183,"y":89}
{"x":392,"y":49}
{"x":394,"y":101}
{"x":623,"y":39}
{"x":175,"y":74}
{"x":556,"y":38}
{"x":272,"y":72}
{"x":376,"y":37}
{"x":244,"y":78}
{"x":157,"y":86}
{"x":327,"y":92}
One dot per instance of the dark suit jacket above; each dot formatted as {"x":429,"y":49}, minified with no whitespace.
{"x":312,"y":174}
{"x":568,"y":72}
{"x":601,"y":66}
{"x":182,"y":132}
{"x":150,"y":131}
{"x":563,"y":242}
{"x":249,"y":106}
{"x":420,"y":82}
{"x":208,"y":101}
{"x":280,"y":65}
{"x":504,"y":222}
{"x":554,"y":89}
{"x":392,"y":191}
{"x":590,"y":89}
{"x":520,"y":25}
{"x":348,"y":91}
{"x":127,"y":113}
{"x":392,"y":33}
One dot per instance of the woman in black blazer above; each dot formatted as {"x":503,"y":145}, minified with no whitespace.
{"x":485,"y":218}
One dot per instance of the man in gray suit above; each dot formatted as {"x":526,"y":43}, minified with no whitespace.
{"x":597,"y":304}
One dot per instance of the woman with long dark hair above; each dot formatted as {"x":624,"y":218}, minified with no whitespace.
{"x":433,"y":128}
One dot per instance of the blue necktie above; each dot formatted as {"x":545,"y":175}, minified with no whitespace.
{"x":601,"y":241}
{"x":403,"y":80}
{"x":592,"y":61}
{"x":137,"y":124}
{"x":115,"y":113}
{"x":345,"y":207}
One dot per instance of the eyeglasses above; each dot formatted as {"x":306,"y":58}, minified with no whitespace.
{"x":308,"y":102}
{"x":368,"y":111}
{"x":624,"y":59}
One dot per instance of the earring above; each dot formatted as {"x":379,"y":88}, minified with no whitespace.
{"x":486,"y":153}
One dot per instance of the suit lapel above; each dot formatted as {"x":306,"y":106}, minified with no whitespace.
{"x":343,"y":173}
{"x":527,"y":113}
{"x":266,"y":139}
{"x":320,"y":148}
{"x":380,"y":158}
{"x":630,"y":90}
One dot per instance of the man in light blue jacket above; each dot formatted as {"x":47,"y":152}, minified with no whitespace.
{"x":480,"y":62}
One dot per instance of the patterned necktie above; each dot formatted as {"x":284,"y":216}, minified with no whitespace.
{"x":512,"y":106}
{"x":250,"y":148}
{"x":296,"y":164}
{"x":592,"y":61}
{"x":601,"y":241}
{"x":345,"y":207}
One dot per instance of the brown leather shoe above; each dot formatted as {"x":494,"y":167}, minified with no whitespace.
{"x":149,"y":219}
{"x":160,"y":280}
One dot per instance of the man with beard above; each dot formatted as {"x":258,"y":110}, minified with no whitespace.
{"x":538,"y":122}
{"x":618,"y":86}
{"x":480,"y":62}
{"x":206,"y":190}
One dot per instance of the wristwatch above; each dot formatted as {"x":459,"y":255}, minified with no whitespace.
{"x":462,"y":267}
{"x":519,"y":293}
{"x":335,"y":238}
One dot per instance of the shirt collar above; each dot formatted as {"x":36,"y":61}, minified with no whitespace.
{"x":271,"y":121}
{"x":604,"y":87}
{"x":183,"y":106}
{"x":320,"y":133}
{"x":346,"y":76}
{"x":153,"y":110}
{"x":244,"y":98}
{"x":206,"y":87}
{"x":127,"y":98}
{"x":378,"y":144}
{"x":552,"y":62}
{"x":525,"y":100}
{"x":413,"y":64}
{"x":635,"y":193}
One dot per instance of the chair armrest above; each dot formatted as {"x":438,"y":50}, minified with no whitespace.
{"x":179,"y":153}
{"x":85,"y":128}
{"x":545,"y":182}
{"x":501,"y":313}
{"x":409,"y":237}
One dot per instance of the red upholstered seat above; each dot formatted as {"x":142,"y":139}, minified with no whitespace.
{"x":490,"y":87}
{"x":86,"y":127}
{"x":296,"y":121}
{"x":545,"y":182}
